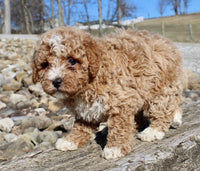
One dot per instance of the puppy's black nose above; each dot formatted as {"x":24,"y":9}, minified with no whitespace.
{"x":57,"y":82}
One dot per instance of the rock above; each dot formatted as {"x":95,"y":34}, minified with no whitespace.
{"x":6,"y":112}
{"x":43,"y":146}
{"x":28,"y":81}
{"x":44,"y":100}
{"x":10,"y":137}
{"x":41,"y":111}
{"x":40,"y":122}
{"x":16,"y":130}
{"x":8,"y":73}
{"x":68,"y":124}
{"x":1,"y":137}
{"x":193,"y":82}
{"x":47,"y":136}
{"x":5,"y":99}
{"x":33,"y":134}
{"x":2,"y":79}
{"x":2,"y":105}
{"x":54,"y":106}
{"x":19,"y":101}
{"x":21,"y":146}
{"x":35,"y":103}
{"x":37,"y":89}
{"x":13,"y":85}
{"x":6,"y":124}
{"x":20,"y":76}
{"x":64,"y":124}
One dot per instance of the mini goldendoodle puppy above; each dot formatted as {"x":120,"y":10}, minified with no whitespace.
{"x":111,"y":79}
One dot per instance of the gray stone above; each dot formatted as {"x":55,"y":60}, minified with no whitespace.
{"x":2,"y":79}
{"x":6,"y":124}
{"x":13,"y":149}
{"x":41,"y":111}
{"x":37,"y":89}
{"x":40,"y":122}
{"x":19,"y":101}
{"x":68,"y":124}
{"x":1,"y":137}
{"x":47,"y":136}
{"x":10,"y":137}
{"x":2,"y":105}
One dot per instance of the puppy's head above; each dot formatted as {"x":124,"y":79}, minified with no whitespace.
{"x":65,"y":61}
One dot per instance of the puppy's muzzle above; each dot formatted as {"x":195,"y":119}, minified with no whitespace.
{"x":57,"y":82}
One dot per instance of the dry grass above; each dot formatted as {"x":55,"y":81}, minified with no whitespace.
{"x":175,"y":27}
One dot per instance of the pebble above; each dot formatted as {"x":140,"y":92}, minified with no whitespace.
{"x":2,"y":79}
{"x":37,"y":89}
{"x":10,"y":137}
{"x":41,"y":111}
{"x":40,"y":122}
{"x":19,"y":147}
{"x":19,"y":101}
{"x":2,"y":105}
{"x":54,"y":106}
{"x":6,"y":124}
{"x":1,"y":137}
{"x":12,"y":85}
{"x":47,"y":136}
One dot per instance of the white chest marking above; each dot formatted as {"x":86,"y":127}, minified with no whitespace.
{"x":90,"y":112}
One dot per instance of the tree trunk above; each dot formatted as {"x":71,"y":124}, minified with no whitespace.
{"x":87,"y":15}
{"x":41,"y":16}
{"x":100,"y":17}
{"x":69,"y":12}
{"x":26,"y":16}
{"x":2,"y":19}
{"x":119,"y":15}
{"x":60,"y":11}
{"x":52,"y":14}
{"x":7,"y":18}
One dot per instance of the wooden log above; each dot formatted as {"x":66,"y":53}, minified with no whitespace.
{"x":180,"y":149}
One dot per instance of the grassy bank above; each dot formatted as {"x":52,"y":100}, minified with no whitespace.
{"x":176,"y":27}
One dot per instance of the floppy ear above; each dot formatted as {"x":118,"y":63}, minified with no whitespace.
{"x":93,"y":53}
{"x":35,"y":71}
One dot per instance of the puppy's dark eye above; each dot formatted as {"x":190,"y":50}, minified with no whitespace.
{"x":44,"y":65}
{"x":72,"y":61}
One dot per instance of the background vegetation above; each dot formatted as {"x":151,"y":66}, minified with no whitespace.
{"x":37,"y":16}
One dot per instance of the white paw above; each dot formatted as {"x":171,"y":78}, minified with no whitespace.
{"x":150,"y":134}
{"x":178,"y":118}
{"x":65,"y":145}
{"x":112,"y":153}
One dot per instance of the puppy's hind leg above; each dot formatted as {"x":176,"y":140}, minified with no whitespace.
{"x":80,"y":135}
{"x":162,"y":111}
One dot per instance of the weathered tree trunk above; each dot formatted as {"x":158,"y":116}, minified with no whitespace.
{"x":119,"y":15}
{"x":2,"y":19}
{"x":41,"y":16}
{"x":52,"y":14}
{"x":26,"y":17}
{"x":87,"y":14}
{"x":100,"y":17}
{"x":60,"y":11}
{"x":7,"y":17}
{"x":69,"y":12}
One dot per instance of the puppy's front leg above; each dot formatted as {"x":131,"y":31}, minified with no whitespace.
{"x":120,"y":135}
{"x":81,"y":133}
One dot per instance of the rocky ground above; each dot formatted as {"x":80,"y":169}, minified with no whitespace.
{"x":31,"y":121}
